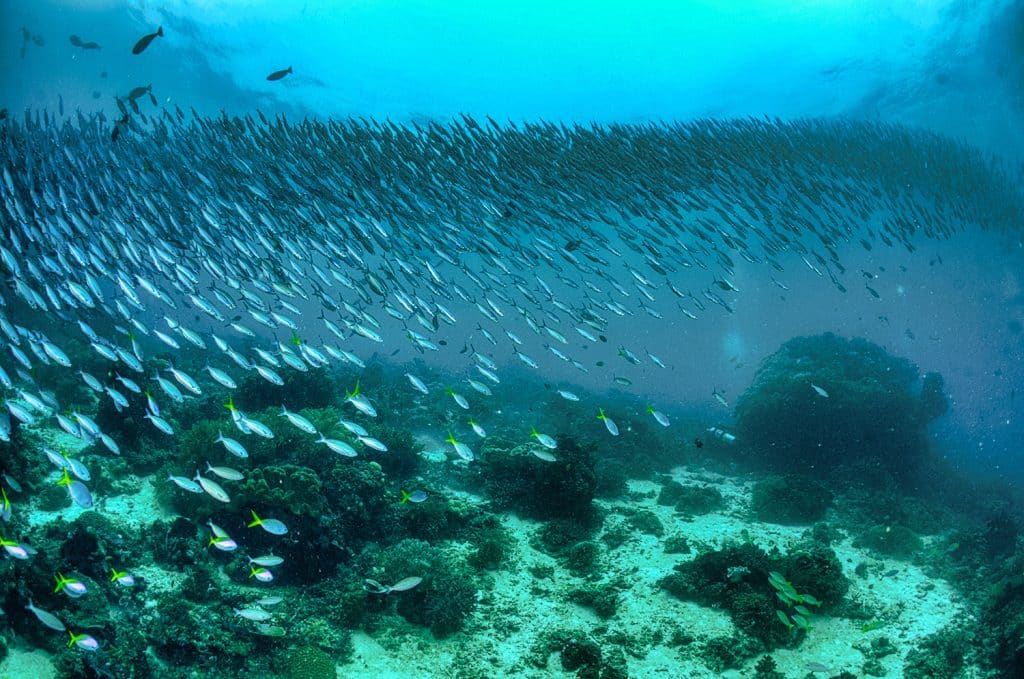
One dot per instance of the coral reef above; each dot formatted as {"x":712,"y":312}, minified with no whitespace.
{"x":690,"y":500}
{"x":738,"y":578}
{"x":789,"y":499}
{"x":871,"y":412}
{"x":445,"y":598}
{"x":891,"y":540}
{"x":309,"y":662}
{"x":939,"y":656}
{"x":516,"y":479}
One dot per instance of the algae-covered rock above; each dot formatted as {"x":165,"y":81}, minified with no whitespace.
{"x":554,"y":536}
{"x":602,"y":598}
{"x":941,"y":656}
{"x":402,"y":458}
{"x":873,"y":409}
{"x":813,"y":568}
{"x":647,"y":522}
{"x":890,"y":540}
{"x":789,"y":500}
{"x":442,"y":601}
{"x":285,"y":487}
{"x":516,"y":479}
{"x":581,"y":655}
{"x":690,"y":499}
{"x":362,"y":506}
{"x":175,"y":543}
{"x":736,"y":578}
{"x":722,"y":653}
{"x":493,"y":546}
{"x":583,"y":558}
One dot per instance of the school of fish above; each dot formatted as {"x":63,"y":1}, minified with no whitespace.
{"x":268,"y":246}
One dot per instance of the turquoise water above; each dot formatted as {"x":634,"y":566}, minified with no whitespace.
{"x":398,"y":340}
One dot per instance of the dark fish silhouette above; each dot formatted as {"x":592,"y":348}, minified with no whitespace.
{"x":139,"y":92}
{"x":277,"y":75}
{"x":90,"y":45}
{"x":116,"y":132}
{"x":144,"y":41}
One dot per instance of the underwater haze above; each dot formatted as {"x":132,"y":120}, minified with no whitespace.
{"x":526,"y":339}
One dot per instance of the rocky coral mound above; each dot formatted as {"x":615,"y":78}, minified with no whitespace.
{"x":825,"y":402}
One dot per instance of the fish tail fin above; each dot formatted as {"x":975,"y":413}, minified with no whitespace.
{"x":289,"y":69}
{"x":160,"y":31}
{"x":405,"y":498}
{"x":255,"y":519}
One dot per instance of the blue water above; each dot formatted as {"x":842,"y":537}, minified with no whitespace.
{"x":934,"y":65}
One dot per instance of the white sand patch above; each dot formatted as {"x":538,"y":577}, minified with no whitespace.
{"x":521,"y":611}
{"x":37,"y":517}
{"x":158,"y":580}
{"x":139,"y":509}
{"x":59,"y":440}
{"x":24,"y":664}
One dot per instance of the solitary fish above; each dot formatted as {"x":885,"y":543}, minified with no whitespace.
{"x":272,"y":526}
{"x":415,"y":496}
{"x":461,"y":449}
{"x":45,"y":617}
{"x":225,"y":472}
{"x":254,"y":614}
{"x":269,"y":560}
{"x":80,"y":495}
{"x":212,"y":488}
{"x":185,"y":483}
{"x":659,"y":416}
{"x":270,"y":601}
{"x":84,"y":641}
{"x":144,"y":41}
{"x":232,"y":446}
{"x":544,"y":439}
{"x":417,"y":384}
{"x":821,"y":392}
{"x":544,"y":455}
{"x":337,"y":446}
{"x":609,"y":424}
{"x":405,"y":584}
{"x":277,"y":75}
